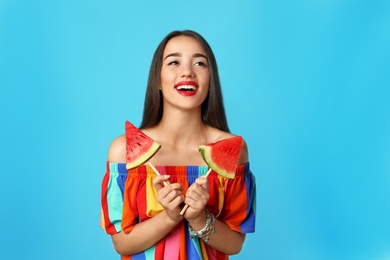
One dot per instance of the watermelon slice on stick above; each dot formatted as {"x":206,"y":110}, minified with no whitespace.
{"x":140,"y":148}
{"x":222,"y":157}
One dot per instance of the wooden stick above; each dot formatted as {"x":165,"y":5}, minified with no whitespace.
{"x":186,"y":206}
{"x":156,"y":172}
{"x":207,"y":173}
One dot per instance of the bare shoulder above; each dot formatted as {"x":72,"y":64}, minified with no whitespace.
{"x":220,"y":135}
{"x":244,"y":156}
{"x":117,"y":150}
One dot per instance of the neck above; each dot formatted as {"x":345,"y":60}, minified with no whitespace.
{"x":183,"y":127}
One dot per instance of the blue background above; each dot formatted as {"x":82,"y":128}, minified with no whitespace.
{"x":305,"y":82}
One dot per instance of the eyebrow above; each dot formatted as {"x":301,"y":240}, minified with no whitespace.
{"x":178,"y":54}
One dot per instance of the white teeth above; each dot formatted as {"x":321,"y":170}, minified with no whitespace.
{"x":186,"y":87}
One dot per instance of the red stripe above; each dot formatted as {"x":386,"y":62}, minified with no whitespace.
{"x":235,"y":204}
{"x":141,"y":194}
{"x":183,"y":247}
{"x":159,"y":253}
{"x":130,"y":210}
{"x":221,"y":256}
{"x":213,"y":203}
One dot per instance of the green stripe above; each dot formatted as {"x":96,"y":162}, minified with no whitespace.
{"x":114,"y":198}
{"x":149,"y":253}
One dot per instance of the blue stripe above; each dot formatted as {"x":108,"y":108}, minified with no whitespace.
{"x":139,"y":256}
{"x":248,"y":225}
{"x":193,"y":247}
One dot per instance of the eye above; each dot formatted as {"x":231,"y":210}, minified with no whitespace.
{"x":173,"y":63}
{"x":200,"y":63}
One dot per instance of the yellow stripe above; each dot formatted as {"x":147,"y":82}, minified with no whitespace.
{"x":152,"y":205}
{"x":221,"y":195}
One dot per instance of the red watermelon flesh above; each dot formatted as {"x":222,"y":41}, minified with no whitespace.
{"x":222,"y":156}
{"x":140,"y":147}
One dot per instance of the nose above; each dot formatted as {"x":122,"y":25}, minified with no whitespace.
{"x":187,"y":71}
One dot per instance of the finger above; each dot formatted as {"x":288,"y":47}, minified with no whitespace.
{"x":203,"y":182}
{"x":195,"y":205}
{"x":177,"y":201}
{"x":172,"y":195}
{"x":203,"y":197}
{"x":173,"y":201}
{"x":197,"y":195}
{"x":168,"y":193}
{"x":173,"y":208}
{"x":199,"y":190}
{"x":159,"y":180}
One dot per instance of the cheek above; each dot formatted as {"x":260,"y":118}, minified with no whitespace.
{"x":207,"y":82}
{"x":206,"y":91}
{"x":165,"y":79}
{"x":206,"y":79}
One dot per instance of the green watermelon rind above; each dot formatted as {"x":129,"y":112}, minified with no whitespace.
{"x":205,"y":151}
{"x":145,"y":157}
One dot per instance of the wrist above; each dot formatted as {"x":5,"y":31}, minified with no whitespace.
{"x":170,"y":221}
{"x":206,"y":230}
{"x":199,"y":221}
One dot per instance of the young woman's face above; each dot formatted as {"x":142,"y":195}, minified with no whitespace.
{"x":185,"y":75}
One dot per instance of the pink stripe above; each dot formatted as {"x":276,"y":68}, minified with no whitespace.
{"x":161,"y":169}
{"x":172,"y":244}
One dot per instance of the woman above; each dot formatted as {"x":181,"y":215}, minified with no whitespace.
{"x":183,"y":109}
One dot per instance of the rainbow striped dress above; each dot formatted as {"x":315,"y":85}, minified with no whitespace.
{"x":129,"y":197}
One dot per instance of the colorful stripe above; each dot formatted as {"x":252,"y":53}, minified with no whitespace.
{"x":171,"y":244}
{"x":112,"y":202}
{"x":153,"y":207}
{"x":248,"y":225}
{"x":193,"y":248}
{"x":129,"y":197}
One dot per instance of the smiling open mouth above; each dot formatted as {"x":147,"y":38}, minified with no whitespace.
{"x":186,"y":88}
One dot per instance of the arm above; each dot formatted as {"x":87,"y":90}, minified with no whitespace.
{"x":223,"y":239}
{"x":149,"y":232}
{"x":197,"y":197}
{"x":143,"y":235}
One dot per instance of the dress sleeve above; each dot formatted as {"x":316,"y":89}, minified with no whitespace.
{"x":112,"y":197}
{"x":240,"y":201}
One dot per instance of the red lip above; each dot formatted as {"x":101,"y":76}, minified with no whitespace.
{"x":187,"y":83}
{"x":187,"y":92}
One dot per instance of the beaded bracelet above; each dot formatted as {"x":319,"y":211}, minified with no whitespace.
{"x":206,"y":230}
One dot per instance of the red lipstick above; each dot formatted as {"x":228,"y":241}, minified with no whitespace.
{"x":186,"y":88}
{"x":187,"y":83}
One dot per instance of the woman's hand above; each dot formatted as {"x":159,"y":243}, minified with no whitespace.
{"x":197,"y":197}
{"x":170,"y":196}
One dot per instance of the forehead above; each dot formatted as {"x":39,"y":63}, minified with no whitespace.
{"x":184,"y":45}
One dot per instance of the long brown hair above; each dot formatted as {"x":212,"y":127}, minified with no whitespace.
{"x":213,"y":111}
